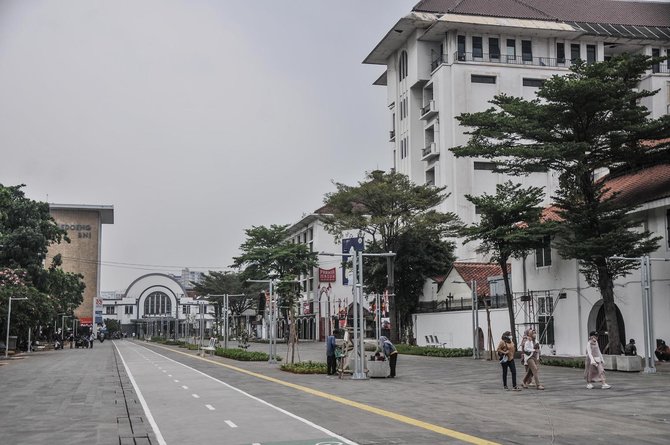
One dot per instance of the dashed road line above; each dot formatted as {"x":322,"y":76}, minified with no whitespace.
{"x":230,"y":424}
{"x":210,"y":407}
{"x":195,"y":396}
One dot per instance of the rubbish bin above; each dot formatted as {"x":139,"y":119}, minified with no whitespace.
{"x":378,"y":368}
{"x":12,"y":343}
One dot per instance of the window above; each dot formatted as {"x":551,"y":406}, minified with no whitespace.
{"x":110,"y":310}
{"x":590,"y":54}
{"x":477,"y":78}
{"x":485,"y":165}
{"x":526,"y":50}
{"x":545,"y":329}
{"x":656,"y":67}
{"x":477,"y":47}
{"x":461,"y":48}
{"x":184,"y":309}
{"x":157,"y":303}
{"x":402,"y":66}
{"x":511,"y":50}
{"x":575,"y":52}
{"x":537,"y":83}
{"x":494,"y":48}
{"x":129,"y":310}
{"x":543,"y":253}
{"x":560,"y":52}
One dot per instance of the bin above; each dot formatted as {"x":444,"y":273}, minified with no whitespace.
{"x":378,"y":369}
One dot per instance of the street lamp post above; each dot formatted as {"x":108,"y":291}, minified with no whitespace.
{"x":272,"y":333}
{"x":9,"y":316}
{"x":359,"y":321}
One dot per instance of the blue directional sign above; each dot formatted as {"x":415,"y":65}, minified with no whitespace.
{"x":358,"y":245}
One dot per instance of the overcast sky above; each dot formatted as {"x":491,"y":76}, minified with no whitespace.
{"x":194,"y":119}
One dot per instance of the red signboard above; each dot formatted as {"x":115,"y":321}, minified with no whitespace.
{"x":85,"y":321}
{"x":327,"y":275}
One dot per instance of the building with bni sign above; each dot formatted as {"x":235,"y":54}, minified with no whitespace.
{"x":83,"y":224}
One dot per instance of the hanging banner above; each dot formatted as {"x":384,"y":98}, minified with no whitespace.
{"x":327,"y":275}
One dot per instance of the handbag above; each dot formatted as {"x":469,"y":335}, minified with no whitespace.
{"x":504,"y":359}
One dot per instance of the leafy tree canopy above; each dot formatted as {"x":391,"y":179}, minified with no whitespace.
{"x":401,"y":217}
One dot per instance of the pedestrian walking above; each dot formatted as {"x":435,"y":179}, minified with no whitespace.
{"x":531,"y":351}
{"x":594,"y":370}
{"x":91,"y":340}
{"x":390,"y":352}
{"x":506,"y":350}
{"x":331,"y":360}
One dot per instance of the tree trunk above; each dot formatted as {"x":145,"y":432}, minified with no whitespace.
{"x":607,"y":292}
{"x":510,"y":301}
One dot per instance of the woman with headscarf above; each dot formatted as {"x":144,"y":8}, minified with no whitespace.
{"x":506,"y":350}
{"x":531,"y":351}
{"x":390,"y":352}
{"x":594,"y":370}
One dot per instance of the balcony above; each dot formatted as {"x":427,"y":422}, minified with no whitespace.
{"x":439,"y":60}
{"x":429,"y":110}
{"x":431,"y":151}
{"x":505,"y":59}
{"x":391,"y":135}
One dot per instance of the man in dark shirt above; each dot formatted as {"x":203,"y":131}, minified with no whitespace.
{"x":630,"y":348}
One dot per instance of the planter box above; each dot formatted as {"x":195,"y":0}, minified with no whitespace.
{"x":629,"y":363}
{"x":609,"y":362}
{"x":378,"y":369}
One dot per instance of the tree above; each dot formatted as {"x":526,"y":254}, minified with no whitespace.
{"x":229,"y":283}
{"x":267,"y":253}
{"x":510,"y":226}
{"x":26,"y":232}
{"x":582,"y":124}
{"x":399,"y":217}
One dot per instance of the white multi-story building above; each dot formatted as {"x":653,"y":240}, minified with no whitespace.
{"x":326,"y":292}
{"x":448,"y":57}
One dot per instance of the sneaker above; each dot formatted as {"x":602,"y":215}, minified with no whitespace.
{"x":589,"y":386}
{"x":506,"y":388}
{"x":516,"y":388}
{"x":606,"y":386}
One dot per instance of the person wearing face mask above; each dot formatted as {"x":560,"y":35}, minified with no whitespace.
{"x":531,"y":350}
{"x":594,"y":370}
{"x":506,"y":350}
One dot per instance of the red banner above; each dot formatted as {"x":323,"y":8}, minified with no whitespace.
{"x":327,"y":275}
{"x":85,"y":321}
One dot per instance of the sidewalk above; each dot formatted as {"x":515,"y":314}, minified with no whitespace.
{"x":70,"y":396}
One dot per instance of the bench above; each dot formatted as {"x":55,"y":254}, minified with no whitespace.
{"x":210,"y":347}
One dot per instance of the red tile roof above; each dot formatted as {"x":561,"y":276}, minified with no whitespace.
{"x":590,"y":11}
{"x":633,"y":188}
{"x":479,"y":272}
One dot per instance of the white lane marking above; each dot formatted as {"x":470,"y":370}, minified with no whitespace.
{"x":184,"y":386}
{"x":169,"y":375}
{"x":281,"y":410}
{"x":210,"y":407}
{"x":195,"y":396}
{"x":164,"y":370}
{"x":176,"y":381}
{"x":230,"y":424}
{"x":138,"y":393}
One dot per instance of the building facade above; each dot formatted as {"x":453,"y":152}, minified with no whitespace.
{"x":448,"y":57}
{"x":83,"y":224}
{"x":157,"y":305}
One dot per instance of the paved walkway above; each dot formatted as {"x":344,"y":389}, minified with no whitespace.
{"x":83,"y":396}
{"x":70,"y":396}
